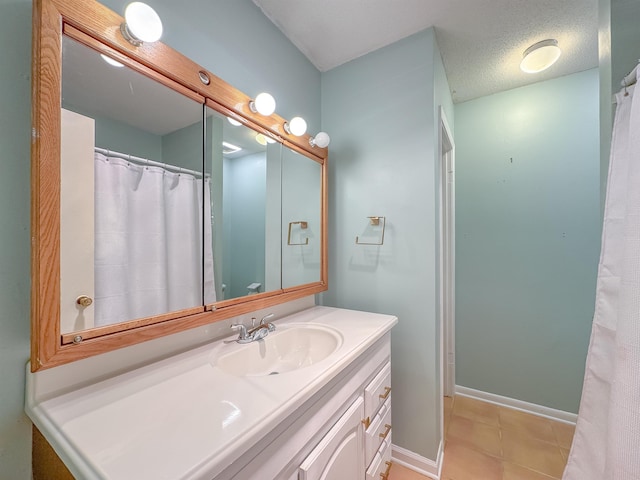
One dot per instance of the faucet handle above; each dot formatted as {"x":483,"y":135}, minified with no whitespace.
{"x":270,"y":326}
{"x":242,"y":328}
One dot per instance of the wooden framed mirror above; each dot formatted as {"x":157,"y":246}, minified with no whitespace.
{"x":111,"y":268}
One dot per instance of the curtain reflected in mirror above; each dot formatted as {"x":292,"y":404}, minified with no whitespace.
{"x":133,"y":196}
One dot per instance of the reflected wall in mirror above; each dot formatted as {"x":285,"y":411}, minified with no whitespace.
{"x":301,"y":219}
{"x":244,"y":166}
{"x":131,"y":195}
{"x":145,"y":222}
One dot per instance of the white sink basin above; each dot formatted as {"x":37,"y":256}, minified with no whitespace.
{"x":287,"y":349}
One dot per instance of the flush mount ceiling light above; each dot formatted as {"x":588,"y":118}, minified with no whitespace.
{"x":540,"y":56}
{"x":296,"y":126}
{"x":264,"y":104}
{"x":321,"y":140}
{"x":111,"y":61}
{"x":228,"y":148}
{"x":141,"y":24}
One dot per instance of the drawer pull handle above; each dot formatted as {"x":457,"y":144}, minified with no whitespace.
{"x":366,"y":422}
{"x":387,"y":429}
{"x":385,"y":475}
{"x":387,"y":391}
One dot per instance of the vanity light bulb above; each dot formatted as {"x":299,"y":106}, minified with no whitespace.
{"x":234,"y":122}
{"x":264,"y":104}
{"x":296,"y":126}
{"x":321,"y":140}
{"x":142,"y":23}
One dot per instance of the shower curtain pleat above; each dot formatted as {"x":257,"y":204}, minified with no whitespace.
{"x":606,"y":444}
{"x":148,"y":241}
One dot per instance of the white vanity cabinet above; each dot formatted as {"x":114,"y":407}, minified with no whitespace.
{"x":329,"y":419}
{"x":335,"y":438}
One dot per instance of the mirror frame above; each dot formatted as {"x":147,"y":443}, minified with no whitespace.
{"x":96,"y":26}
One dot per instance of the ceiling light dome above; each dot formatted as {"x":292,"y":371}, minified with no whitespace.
{"x":540,"y":56}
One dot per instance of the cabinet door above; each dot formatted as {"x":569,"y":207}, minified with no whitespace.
{"x":340,"y":454}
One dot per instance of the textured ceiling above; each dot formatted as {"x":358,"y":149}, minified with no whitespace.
{"x":481,"y":41}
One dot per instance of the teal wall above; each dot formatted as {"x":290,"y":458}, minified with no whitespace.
{"x":527,"y":239}
{"x":231,"y":38}
{"x":379,"y":110}
{"x":244,"y":200}
{"x":15,"y":130}
{"x":619,"y":45}
{"x":301,"y":201}
{"x":123,"y":138}
{"x":606,"y":106}
{"x":183,"y":148}
{"x":625,"y":38}
{"x":120,"y":137}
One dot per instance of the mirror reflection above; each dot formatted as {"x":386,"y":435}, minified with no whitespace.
{"x":132,"y":196}
{"x":168,"y":205}
{"x":301,"y":214}
{"x":245,"y":168}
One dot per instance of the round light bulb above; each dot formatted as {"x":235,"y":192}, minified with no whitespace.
{"x":264,"y":104}
{"x":111,"y":61}
{"x":321,"y":140}
{"x":261,"y":139}
{"x":297,"y":126}
{"x":234,"y":122}
{"x":540,"y":56}
{"x":142,"y":22}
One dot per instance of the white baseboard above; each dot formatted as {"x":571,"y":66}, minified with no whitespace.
{"x":532,"y":408}
{"x":418,"y":463}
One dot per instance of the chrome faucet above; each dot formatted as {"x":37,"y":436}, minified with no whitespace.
{"x":256,"y":332}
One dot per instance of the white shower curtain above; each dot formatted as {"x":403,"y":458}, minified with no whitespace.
{"x":606,"y":444}
{"x":148,"y":241}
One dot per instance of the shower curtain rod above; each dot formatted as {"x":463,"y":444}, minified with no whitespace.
{"x":144,"y":161}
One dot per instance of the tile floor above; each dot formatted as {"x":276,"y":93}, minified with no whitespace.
{"x":487,"y":442}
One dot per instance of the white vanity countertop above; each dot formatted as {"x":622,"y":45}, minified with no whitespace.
{"x":185,"y":418}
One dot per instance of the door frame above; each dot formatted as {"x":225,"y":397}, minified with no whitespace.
{"x":446,"y":267}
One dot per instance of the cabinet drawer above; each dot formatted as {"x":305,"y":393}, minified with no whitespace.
{"x":378,"y":431}
{"x":379,"y":468}
{"x":377,"y":391}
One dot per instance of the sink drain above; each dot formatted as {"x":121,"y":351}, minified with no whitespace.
{"x":274,"y":373}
